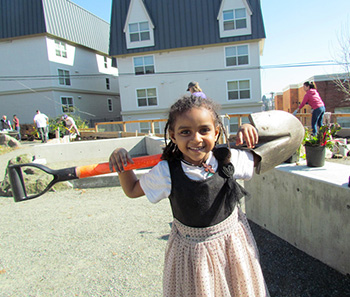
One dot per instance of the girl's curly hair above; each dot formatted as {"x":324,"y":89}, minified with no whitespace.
{"x":182,"y":105}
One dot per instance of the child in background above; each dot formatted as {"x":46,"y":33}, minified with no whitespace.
{"x":211,"y":250}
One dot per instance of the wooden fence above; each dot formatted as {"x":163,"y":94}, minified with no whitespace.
{"x":121,"y":130}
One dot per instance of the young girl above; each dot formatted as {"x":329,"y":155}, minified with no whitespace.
{"x":211,"y":250}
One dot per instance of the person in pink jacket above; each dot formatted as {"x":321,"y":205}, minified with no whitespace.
{"x":313,"y":98}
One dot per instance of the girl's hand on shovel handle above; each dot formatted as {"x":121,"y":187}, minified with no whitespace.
{"x":119,"y":159}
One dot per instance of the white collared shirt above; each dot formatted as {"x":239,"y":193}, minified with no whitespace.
{"x":156,"y":184}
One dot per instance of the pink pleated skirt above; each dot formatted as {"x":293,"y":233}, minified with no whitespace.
{"x":220,"y":260}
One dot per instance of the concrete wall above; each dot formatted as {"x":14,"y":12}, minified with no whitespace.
{"x":88,"y":150}
{"x":96,"y":149}
{"x":154,"y":145}
{"x":307,"y":207}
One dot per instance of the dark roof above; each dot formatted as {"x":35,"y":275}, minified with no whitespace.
{"x":179,"y":23}
{"x":30,"y":13}
{"x":60,"y":18}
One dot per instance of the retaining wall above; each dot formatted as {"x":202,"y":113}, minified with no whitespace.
{"x":307,"y":207}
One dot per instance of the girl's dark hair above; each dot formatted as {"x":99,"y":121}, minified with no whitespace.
{"x":310,"y":84}
{"x":182,"y":105}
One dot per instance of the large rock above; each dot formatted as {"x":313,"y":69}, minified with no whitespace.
{"x":35,"y":179}
{"x":7,"y":140}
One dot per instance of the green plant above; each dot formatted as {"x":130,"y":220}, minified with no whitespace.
{"x":57,"y":123}
{"x":324,"y":137}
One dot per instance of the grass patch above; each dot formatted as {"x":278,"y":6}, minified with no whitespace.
{"x":5,"y":149}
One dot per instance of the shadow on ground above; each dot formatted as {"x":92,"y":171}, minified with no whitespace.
{"x":291,"y":272}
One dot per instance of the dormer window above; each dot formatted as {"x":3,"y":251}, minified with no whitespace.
{"x":61,"y":49}
{"x":139,"y":31}
{"x":234,"y":18}
{"x":138,"y":27}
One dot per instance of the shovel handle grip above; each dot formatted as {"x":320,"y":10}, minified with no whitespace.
{"x":103,"y":168}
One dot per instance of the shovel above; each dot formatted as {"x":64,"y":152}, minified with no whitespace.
{"x":19,"y":189}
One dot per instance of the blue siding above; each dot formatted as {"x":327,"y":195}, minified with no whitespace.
{"x":179,"y":23}
{"x":21,"y":17}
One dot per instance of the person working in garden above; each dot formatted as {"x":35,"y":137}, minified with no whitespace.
{"x":70,"y":124}
{"x":313,"y":98}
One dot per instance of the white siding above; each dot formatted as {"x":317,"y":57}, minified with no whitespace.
{"x":22,"y":96}
{"x":210,"y":72}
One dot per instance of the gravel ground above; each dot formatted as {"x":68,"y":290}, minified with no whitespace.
{"x":96,"y":242}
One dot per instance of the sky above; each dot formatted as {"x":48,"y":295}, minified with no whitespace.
{"x":297,"y":32}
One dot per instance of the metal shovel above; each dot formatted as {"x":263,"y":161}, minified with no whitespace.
{"x":20,"y":192}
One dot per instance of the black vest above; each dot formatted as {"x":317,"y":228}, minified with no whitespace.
{"x":207,"y":202}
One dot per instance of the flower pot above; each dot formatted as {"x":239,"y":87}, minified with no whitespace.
{"x":315,"y":155}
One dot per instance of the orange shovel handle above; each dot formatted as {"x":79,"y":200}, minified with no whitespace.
{"x":103,"y":168}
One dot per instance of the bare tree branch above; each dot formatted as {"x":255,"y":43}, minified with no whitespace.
{"x":342,"y":81}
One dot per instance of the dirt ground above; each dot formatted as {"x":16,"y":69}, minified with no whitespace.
{"x":97,"y":242}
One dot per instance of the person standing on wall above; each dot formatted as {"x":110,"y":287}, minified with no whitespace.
{"x":16,"y":126}
{"x":195,"y":89}
{"x":313,"y":98}
{"x":41,"y":121}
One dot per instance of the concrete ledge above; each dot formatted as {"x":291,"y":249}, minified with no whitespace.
{"x":307,"y":207}
{"x":93,"y":149}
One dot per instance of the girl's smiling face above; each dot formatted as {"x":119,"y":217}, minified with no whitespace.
{"x":195,"y":134}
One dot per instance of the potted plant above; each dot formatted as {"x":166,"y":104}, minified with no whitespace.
{"x":315,"y":145}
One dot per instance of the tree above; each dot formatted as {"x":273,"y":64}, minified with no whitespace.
{"x":342,"y":80}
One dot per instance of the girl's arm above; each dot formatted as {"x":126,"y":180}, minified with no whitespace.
{"x":128,"y":180}
{"x":305,"y":100}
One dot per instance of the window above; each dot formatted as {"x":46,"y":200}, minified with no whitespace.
{"x":110,"y":104}
{"x":236,"y":55}
{"x":67,"y":104}
{"x":61,"y":49}
{"x":234,"y":124}
{"x":344,"y":122}
{"x":239,"y":89}
{"x":146,"y":97}
{"x":107,"y":84}
{"x":144,"y":65}
{"x":235,"y":19}
{"x":145,"y":127}
{"x":64,"y":77}
{"x":139,"y":31}
{"x":105,"y":62}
